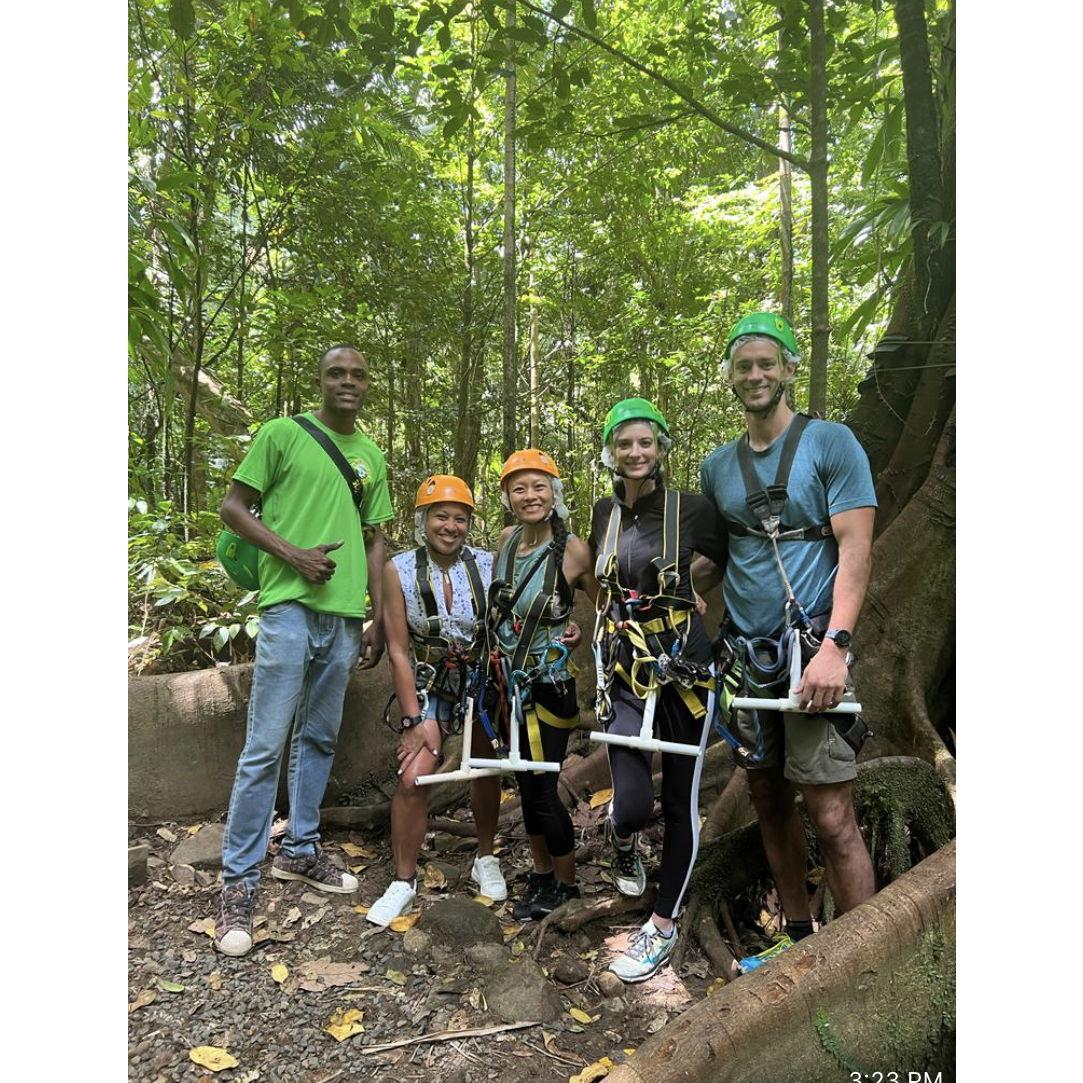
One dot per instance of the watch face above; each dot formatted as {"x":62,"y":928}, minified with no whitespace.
{"x":842,"y":639}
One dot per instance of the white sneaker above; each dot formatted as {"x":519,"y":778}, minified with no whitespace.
{"x":648,"y":950}
{"x":490,"y":880}
{"x":393,"y":902}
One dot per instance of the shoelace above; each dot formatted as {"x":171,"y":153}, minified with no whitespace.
{"x":625,"y":861}
{"x":323,"y":869}
{"x":234,"y":906}
{"x":641,"y":944}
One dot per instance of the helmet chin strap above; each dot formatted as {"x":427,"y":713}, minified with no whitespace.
{"x":768,"y":407}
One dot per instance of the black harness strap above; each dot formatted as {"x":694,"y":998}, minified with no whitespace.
{"x":767,"y":503}
{"x":357,"y":486}
{"x":541,"y":611}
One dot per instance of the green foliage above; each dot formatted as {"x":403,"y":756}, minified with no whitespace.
{"x":303,"y":174}
{"x":183,"y":611}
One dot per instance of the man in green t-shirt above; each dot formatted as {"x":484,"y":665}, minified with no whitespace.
{"x":312,"y":610}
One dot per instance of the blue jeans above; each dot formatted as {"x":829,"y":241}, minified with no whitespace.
{"x":304,"y":660}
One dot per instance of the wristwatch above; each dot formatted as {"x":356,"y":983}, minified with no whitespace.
{"x":841,"y":636}
{"x":410,"y":721}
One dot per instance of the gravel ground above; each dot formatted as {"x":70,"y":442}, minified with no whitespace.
{"x":406,"y":985}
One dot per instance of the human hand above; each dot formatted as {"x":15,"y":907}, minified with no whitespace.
{"x":314,"y":564}
{"x":573,"y":636}
{"x":372,"y":646}
{"x":701,"y":605}
{"x":824,"y":681}
{"x":417,"y":739}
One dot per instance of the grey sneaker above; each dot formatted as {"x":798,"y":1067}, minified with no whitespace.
{"x":627,"y":869}
{"x":648,"y":950}
{"x":233,"y":927}
{"x":314,"y":869}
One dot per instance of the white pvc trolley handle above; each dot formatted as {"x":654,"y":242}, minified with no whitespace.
{"x":791,"y":703}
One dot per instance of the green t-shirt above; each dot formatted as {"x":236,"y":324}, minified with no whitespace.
{"x":307,"y":502}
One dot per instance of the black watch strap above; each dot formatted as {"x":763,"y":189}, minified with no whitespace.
{"x":409,"y":721}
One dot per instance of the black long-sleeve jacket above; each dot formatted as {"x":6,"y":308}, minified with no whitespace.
{"x":640,"y":541}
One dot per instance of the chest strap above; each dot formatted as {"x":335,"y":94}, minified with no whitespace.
{"x":432,"y":641}
{"x":767,"y":503}
{"x":544,"y":608}
{"x":606,"y":567}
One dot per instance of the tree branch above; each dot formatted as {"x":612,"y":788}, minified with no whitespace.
{"x":696,"y":105}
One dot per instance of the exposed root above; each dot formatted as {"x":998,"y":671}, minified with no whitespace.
{"x":576,"y":913}
{"x":723,"y":963}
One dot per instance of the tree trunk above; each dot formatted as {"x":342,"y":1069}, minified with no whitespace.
{"x":923,"y":152}
{"x":511,"y":382}
{"x":785,"y":194}
{"x":821,"y":326}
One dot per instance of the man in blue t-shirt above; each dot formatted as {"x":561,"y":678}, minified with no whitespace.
{"x":827,"y":571}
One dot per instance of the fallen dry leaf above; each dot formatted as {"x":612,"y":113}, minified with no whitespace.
{"x":344,"y":1023}
{"x":434,"y":877}
{"x":580,"y":1016}
{"x":292,"y":917}
{"x":204,"y":925}
{"x":278,"y":936}
{"x":598,"y":1070}
{"x":315,"y":975}
{"x":142,"y":999}
{"x":601,"y":797}
{"x":506,"y":796}
{"x":353,"y":850}
{"x":279,"y":973}
{"x":210,"y":1056}
{"x":397,"y":976}
{"x":404,"y":922}
{"x":316,"y":915}
{"x":214,"y":980}
{"x":313,"y":899}
{"x":360,"y":909}
{"x":165,"y":833}
{"x":656,"y":1024}
{"x":518,"y":948}
{"x":718,"y":983}
{"x":193,"y":829}
{"x":357,"y":869}
{"x":483,"y":899}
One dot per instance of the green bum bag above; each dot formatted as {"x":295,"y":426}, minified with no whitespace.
{"x":239,"y":557}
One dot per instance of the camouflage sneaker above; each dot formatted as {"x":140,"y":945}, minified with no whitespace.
{"x":233,"y":927}
{"x":314,"y":869}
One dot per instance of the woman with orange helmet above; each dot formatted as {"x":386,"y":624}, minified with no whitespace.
{"x":434,"y":605}
{"x":538,"y":565}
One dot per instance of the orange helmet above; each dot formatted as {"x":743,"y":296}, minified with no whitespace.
{"x":437,"y":488}
{"x":530,"y":459}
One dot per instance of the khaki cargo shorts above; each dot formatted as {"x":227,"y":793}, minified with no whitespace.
{"x":808,"y":746}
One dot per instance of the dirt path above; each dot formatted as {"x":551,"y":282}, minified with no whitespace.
{"x":406,"y":984}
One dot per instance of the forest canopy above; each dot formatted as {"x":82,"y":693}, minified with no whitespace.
{"x":520,"y":213}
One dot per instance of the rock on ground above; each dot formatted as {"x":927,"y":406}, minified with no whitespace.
{"x":520,"y":992}
{"x":459,"y":922}
{"x":201,"y":850}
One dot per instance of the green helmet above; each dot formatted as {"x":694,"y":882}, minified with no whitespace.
{"x":763,"y":323}
{"x":632,"y":410}
{"x":239,"y":558}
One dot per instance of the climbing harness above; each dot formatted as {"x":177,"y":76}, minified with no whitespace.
{"x":518,"y":683}
{"x":442,"y":664}
{"x":765,"y":663}
{"x":767,"y":505}
{"x":517,"y":671}
{"x":657,"y":643}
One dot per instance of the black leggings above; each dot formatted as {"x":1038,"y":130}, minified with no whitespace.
{"x":633,"y":794}
{"x":548,"y":720}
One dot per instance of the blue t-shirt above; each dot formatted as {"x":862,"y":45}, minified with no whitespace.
{"x":830,"y":474}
